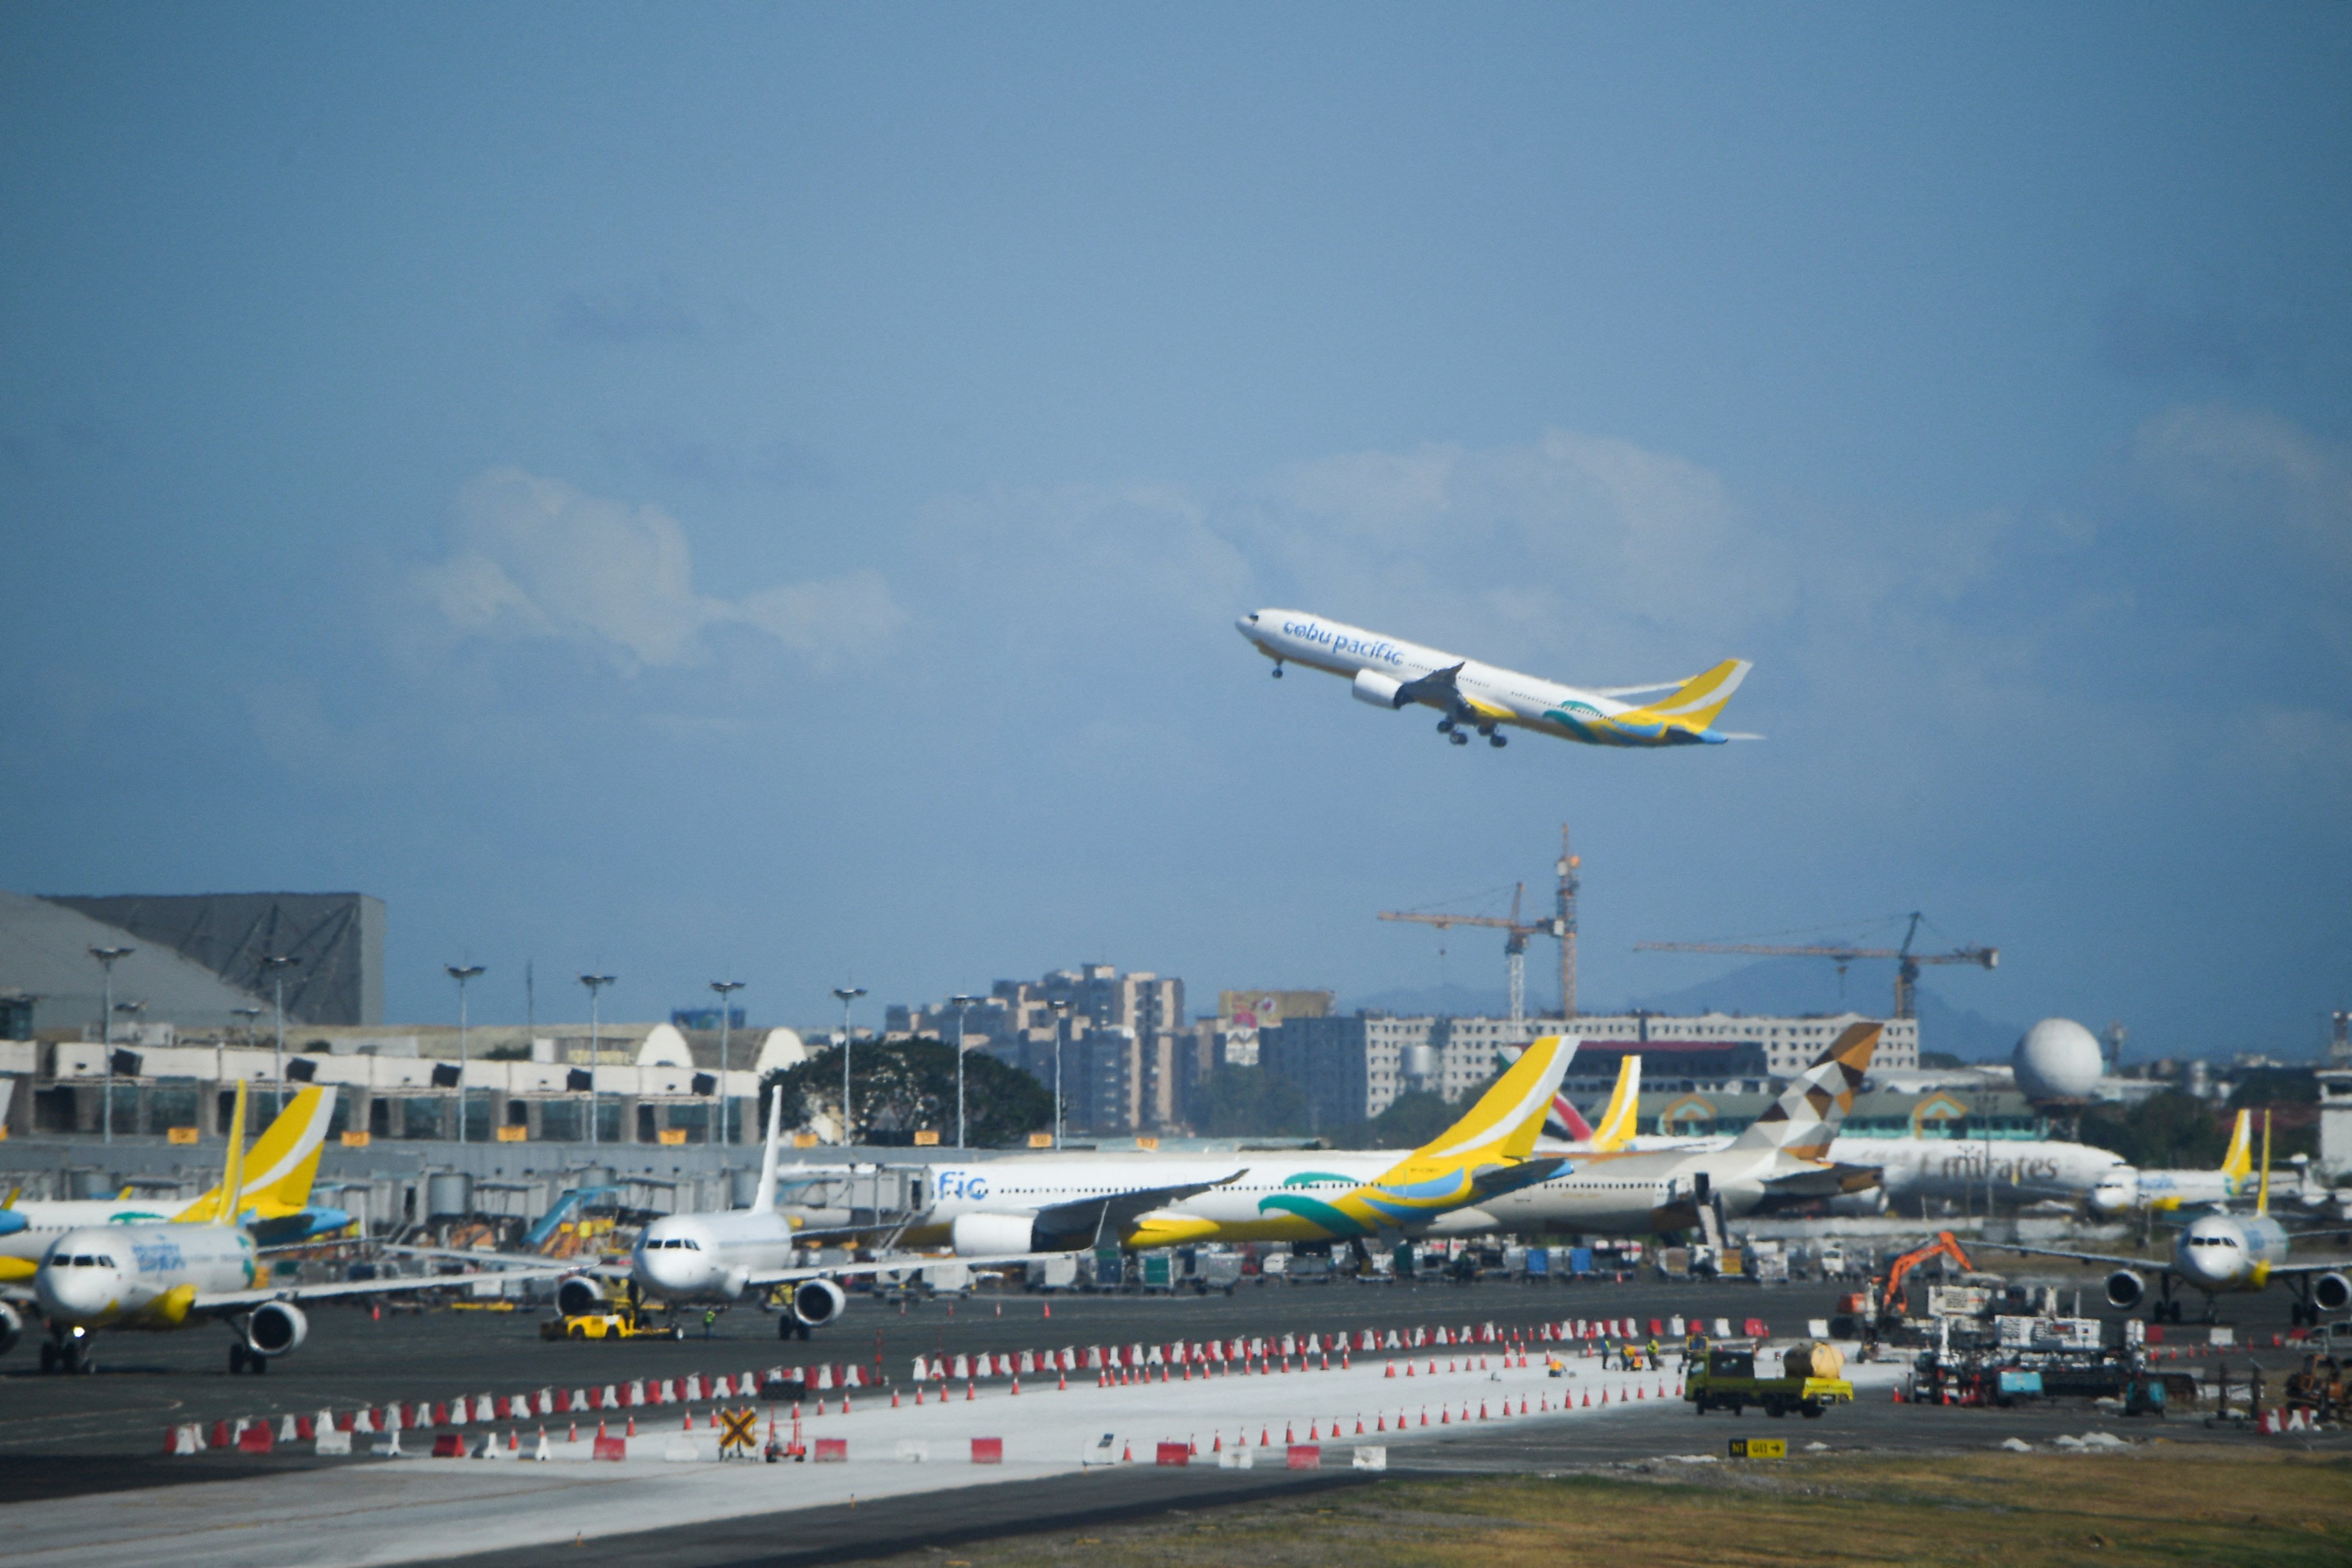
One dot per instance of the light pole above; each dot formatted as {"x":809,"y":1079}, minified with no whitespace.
{"x":461,"y":972}
{"x":1060,"y":1027}
{"x":107,"y":957}
{"x":960,"y":1003}
{"x":846,"y":994}
{"x":725,"y":988}
{"x":595,"y":983}
{"x":275,"y":968}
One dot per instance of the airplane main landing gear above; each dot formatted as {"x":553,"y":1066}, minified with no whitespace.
{"x":1457,"y":737}
{"x":1445,"y":726}
{"x":1498,"y":739}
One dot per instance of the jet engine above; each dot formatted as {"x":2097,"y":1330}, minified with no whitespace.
{"x":1372,"y":687}
{"x":982,"y":1235}
{"x":275,"y":1328}
{"x":2329,"y":1293}
{"x":817,"y":1302}
{"x":12,"y":1328}
{"x":579,"y":1296}
{"x":2125,"y":1289}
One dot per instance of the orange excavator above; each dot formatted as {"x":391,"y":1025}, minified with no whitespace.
{"x":1861,"y":1314}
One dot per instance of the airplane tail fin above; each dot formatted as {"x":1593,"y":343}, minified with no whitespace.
{"x":1623,"y":1117}
{"x":232,"y":1187}
{"x":1804,"y":1121}
{"x":1501,"y":1127}
{"x":2262,"y":1197}
{"x":766,"y":1198}
{"x":2237,"y":1164}
{"x":279,"y":1168}
{"x":1695,"y":704}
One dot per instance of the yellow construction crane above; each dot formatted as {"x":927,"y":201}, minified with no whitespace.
{"x":1561,"y":924}
{"x":1908,"y":963}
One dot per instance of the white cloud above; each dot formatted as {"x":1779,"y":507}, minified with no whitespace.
{"x":539,"y":559}
{"x":2255,"y":470}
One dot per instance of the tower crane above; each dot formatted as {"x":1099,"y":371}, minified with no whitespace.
{"x":1561,"y":924}
{"x":1908,"y":963}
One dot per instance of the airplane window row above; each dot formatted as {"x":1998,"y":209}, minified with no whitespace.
{"x":686,"y":1242}
{"x":83,"y":1260}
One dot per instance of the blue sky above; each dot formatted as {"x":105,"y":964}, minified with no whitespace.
{"x":764,"y":491}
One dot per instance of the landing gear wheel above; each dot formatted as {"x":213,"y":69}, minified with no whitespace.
{"x":1498,"y":739}
{"x":1457,"y":737}
{"x":236,"y":1359}
{"x":1278,"y":672}
{"x":1445,"y":726}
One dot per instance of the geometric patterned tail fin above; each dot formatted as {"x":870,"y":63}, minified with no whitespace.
{"x":1804,"y":1121}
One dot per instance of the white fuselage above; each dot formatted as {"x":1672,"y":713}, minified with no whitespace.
{"x":46,"y":1219}
{"x":1956,"y":1170}
{"x":2124,"y":1188}
{"x":2229,"y":1252}
{"x":142,"y":1275}
{"x":1294,"y":637}
{"x":710,"y":1256}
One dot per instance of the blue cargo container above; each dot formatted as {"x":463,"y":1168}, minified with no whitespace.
{"x":1580,"y":1260}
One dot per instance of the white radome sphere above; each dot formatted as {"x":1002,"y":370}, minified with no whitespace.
{"x":2057,"y":1059}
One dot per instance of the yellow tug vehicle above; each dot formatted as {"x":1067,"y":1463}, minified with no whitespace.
{"x":1724,"y":1379}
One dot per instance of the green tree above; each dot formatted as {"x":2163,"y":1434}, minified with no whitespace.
{"x":1249,"y":1102}
{"x":904,"y":1087}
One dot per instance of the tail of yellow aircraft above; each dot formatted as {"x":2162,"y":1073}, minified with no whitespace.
{"x":2239,"y":1163}
{"x":1696,"y":703}
{"x":1499,"y":1131}
{"x":276,"y":1174}
{"x":2262,"y":1197}
{"x":1619,"y":1122}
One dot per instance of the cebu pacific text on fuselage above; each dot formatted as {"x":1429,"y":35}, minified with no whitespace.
{"x":1346,"y":642}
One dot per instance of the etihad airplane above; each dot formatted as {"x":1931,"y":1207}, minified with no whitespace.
{"x":2219,"y":1253}
{"x":276,"y":1204}
{"x":167,"y":1275}
{"x":1470,"y":696}
{"x":1062,"y":1202}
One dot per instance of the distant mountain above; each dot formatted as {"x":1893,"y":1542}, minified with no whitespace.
{"x":1777,"y":986}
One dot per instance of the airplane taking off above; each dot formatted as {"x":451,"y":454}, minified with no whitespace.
{"x":167,"y":1275}
{"x":276,"y":1204}
{"x":1482,"y":697}
{"x":2217,"y":1253}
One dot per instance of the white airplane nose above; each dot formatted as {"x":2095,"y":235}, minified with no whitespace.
{"x":1246,"y":626}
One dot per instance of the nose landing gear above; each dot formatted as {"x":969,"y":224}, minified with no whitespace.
{"x":1277,"y":669}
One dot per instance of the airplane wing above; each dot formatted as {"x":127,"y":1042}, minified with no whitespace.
{"x":1093,"y":1217}
{"x":2108,"y":1258}
{"x":231,"y":1301}
{"x":900,"y":1263}
{"x":1829,"y":1180}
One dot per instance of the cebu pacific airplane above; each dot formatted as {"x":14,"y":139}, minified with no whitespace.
{"x":276,"y":1205}
{"x":1471,"y":696}
{"x":1045,"y":1201}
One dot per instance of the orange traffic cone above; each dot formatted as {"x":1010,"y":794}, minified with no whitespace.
{"x":690,"y":1422}
{"x":1482,"y":1409}
{"x":1127,"y":1455}
{"x":1587,"y":1399}
{"x":1314,"y":1433}
{"x":1424,"y":1415}
{"x":1359,"y":1424}
{"x":1063,"y":1383}
{"x":893,"y":1399}
{"x":1263,"y":1439}
{"x":1380,"y":1421}
{"x":969,"y":1395}
{"x":633,"y":1425}
{"x":1444,"y":1417}
{"x":1016,"y":1385}
{"x":1219,"y":1446}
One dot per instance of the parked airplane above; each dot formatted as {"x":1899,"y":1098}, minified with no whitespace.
{"x":1040,"y":1202}
{"x":1915,"y":1170}
{"x":1469,"y":696}
{"x":169,"y":1275}
{"x":2128,"y":1188}
{"x":1782,"y":1159}
{"x":276,"y":1205}
{"x":2216,"y":1253}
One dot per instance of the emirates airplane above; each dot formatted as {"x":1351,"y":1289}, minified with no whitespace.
{"x":1471,"y":696}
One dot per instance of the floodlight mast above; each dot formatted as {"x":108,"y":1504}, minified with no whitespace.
{"x":275,"y":966}
{"x":846,"y":994}
{"x":960,"y":1003}
{"x":595,"y":983}
{"x":725,"y":988}
{"x":107,"y":957}
{"x":461,"y":972}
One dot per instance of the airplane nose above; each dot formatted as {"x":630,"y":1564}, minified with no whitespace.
{"x":1246,"y":626}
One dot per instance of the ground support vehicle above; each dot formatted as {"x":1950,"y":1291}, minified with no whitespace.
{"x":1727,"y":1380}
{"x":621,"y":1321}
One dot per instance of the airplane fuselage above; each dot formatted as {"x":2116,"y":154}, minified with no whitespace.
{"x":710,"y":1256}
{"x":142,"y":1275}
{"x":1390,"y":673}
